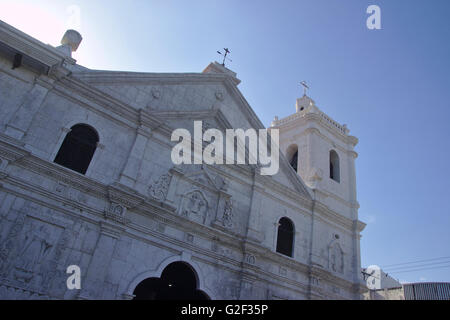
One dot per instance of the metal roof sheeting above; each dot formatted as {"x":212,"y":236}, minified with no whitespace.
{"x":427,"y":291}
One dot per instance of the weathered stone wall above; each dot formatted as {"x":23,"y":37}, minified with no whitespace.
{"x":133,"y":212}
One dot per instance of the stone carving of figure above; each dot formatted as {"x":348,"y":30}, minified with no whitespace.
{"x":118,"y":209}
{"x":35,"y":249}
{"x":336,"y":259}
{"x":227,"y":218}
{"x":195,"y":206}
{"x":159,"y":189}
{"x":195,"y":203}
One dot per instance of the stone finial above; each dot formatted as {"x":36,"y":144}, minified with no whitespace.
{"x":215,"y":67}
{"x":274,"y":121}
{"x":72,"y":38}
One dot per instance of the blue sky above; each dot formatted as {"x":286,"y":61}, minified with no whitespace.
{"x":390,"y":86}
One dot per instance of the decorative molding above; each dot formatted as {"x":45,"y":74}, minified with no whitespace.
{"x":227,"y":215}
{"x":219,"y":95}
{"x":124,"y":195}
{"x":116,"y":212}
{"x":156,"y":94}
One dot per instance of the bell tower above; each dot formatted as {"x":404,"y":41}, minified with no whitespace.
{"x":322,"y":152}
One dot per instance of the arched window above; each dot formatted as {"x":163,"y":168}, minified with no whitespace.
{"x":285,"y":237}
{"x":334,"y":166}
{"x":292,"y":156}
{"x":78,"y":148}
{"x":294,"y":161}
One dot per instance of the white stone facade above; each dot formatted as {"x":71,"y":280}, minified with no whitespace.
{"x":377,"y":279}
{"x":129,"y":216}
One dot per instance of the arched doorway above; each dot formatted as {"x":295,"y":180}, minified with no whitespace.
{"x":178,"y":281}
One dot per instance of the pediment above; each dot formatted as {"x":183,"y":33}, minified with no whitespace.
{"x":211,"y":119}
{"x":201,"y":176}
{"x":180,"y":99}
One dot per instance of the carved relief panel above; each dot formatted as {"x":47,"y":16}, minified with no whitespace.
{"x":336,"y":257}
{"x":194,"y":206}
{"x":196,"y":193}
{"x":31,"y":252}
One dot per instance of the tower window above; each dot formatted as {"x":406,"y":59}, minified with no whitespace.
{"x":292,"y":156}
{"x":334,"y":166}
{"x":285,"y":237}
{"x":78,"y":148}
{"x":294,"y":161}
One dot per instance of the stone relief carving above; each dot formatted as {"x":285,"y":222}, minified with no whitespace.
{"x":116,"y":212}
{"x":160,"y":227}
{"x":315,"y":281}
{"x":202,"y":175}
{"x":159,"y":188}
{"x":189,"y":238}
{"x":3,"y":165}
{"x":118,"y":209}
{"x":250,"y":259}
{"x":156,"y":94}
{"x":227,"y":217}
{"x":194,"y":206}
{"x":35,"y":249}
{"x":219,"y":95}
{"x":30,"y":254}
{"x":220,"y":249}
{"x":66,"y":191}
{"x":206,"y":125}
{"x":61,"y":188}
{"x":9,"y":247}
{"x":336,"y":260}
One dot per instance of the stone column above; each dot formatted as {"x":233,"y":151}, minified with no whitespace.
{"x":253,"y":229}
{"x":92,"y":281}
{"x":20,"y":122}
{"x":129,"y":174}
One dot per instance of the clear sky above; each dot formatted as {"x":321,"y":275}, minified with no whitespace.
{"x":390,"y":86}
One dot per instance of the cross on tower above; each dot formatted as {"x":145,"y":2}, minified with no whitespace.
{"x":305,"y":87}
{"x":225,"y":56}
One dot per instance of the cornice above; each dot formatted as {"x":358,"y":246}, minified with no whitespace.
{"x":318,"y":119}
{"x":350,"y":204}
{"x":108,"y":106}
{"x":331,"y":278}
{"x":158,"y":213}
{"x":118,"y":77}
{"x":328,"y":215}
{"x":29,"y":45}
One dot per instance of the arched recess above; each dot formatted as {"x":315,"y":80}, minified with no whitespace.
{"x":292,"y":156}
{"x":78,"y":148}
{"x":158,"y":273}
{"x":285,"y":237}
{"x":334,"y":166}
{"x":335,"y":257}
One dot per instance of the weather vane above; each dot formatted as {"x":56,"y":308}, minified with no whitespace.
{"x":225,"y":55}
{"x":305,"y":87}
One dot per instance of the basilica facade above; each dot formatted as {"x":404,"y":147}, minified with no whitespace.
{"x":86,"y":180}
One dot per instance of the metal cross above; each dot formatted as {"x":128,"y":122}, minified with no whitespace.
{"x":225,"y":55}
{"x":305,"y":87}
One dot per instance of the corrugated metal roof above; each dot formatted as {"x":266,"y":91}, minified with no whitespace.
{"x":427,"y":291}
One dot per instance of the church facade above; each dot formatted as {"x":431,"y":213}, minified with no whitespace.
{"x":86,"y":180}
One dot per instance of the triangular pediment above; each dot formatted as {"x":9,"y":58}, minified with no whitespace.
{"x":180,"y":99}
{"x":200,"y":174}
